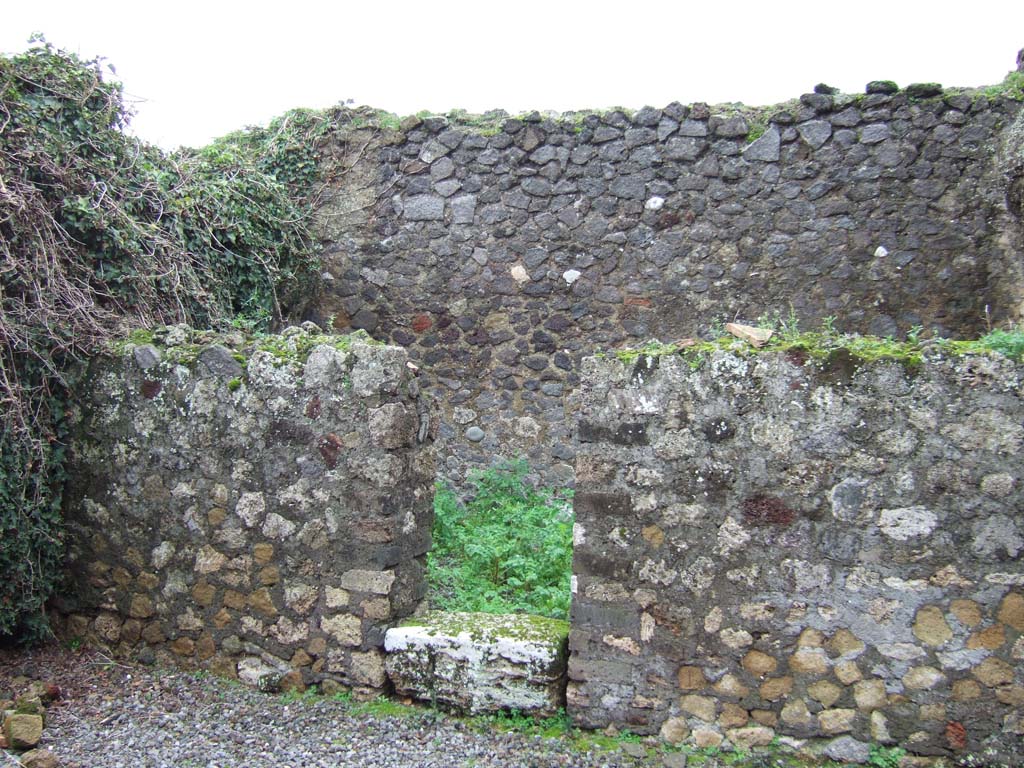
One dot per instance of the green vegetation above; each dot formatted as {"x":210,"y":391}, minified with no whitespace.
{"x":757,"y":128}
{"x":507,"y":549}
{"x":99,"y":231}
{"x":885,"y":757}
{"x":1012,"y":87}
{"x":825,"y":344}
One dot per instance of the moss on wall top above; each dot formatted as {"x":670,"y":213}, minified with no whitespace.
{"x":822,"y":346}
{"x":182,"y":344}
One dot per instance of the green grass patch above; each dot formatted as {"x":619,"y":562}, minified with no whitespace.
{"x":508,"y":549}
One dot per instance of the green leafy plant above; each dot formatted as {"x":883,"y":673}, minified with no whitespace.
{"x":100,"y":231}
{"x":885,"y":757}
{"x":508,"y":549}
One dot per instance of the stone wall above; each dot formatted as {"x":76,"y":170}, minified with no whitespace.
{"x":770,"y":546}
{"x":500,"y":251}
{"x":257,"y":508}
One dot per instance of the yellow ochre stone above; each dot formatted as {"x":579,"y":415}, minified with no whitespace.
{"x":1011,"y":611}
{"x":765,"y":717}
{"x":759,"y":663}
{"x":992,"y":672}
{"x":262,"y":602}
{"x":825,"y":692}
{"x":776,"y":688}
{"x":751,"y":736}
{"x":1013,"y":695}
{"x":930,"y":626}
{"x":147,"y":581}
{"x":848,"y":672}
{"x":205,"y":647}
{"x":870,"y":694}
{"x":833,"y":721}
{"x":203,"y":593}
{"x":796,"y":713}
{"x":216,"y":516}
{"x":730,"y":685}
{"x":733,"y":716}
{"x":966,"y":690}
{"x":141,"y":607}
{"x":269,"y":576}
{"x":703,"y":738}
{"x":263,"y":552}
{"x":701,"y":707}
{"x":808,"y":662}
{"x":844,"y":643}
{"x":674,"y":730}
{"x":988,"y":639}
{"x":653,"y":535}
{"x":810,"y":638}
{"x":967,"y":612}
{"x":692,"y":678}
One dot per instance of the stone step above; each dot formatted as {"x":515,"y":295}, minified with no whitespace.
{"x":479,"y":662}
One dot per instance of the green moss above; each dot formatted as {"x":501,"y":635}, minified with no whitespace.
{"x":287,"y":350}
{"x":823,"y":346}
{"x":650,"y":349}
{"x":487,"y":627}
{"x":234,"y":384}
{"x":756,"y":131}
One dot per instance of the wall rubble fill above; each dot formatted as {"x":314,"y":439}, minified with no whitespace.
{"x":501,"y":251}
{"x":769,"y":546}
{"x":258,"y":513}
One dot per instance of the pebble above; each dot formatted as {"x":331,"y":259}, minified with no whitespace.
{"x":181,"y":719}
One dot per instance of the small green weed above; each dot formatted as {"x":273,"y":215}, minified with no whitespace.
{"x":293,"y":695}
{"x":517,"y":722}
{"x":885,"y":757}
{"x":383,"y":707}
{"x":506,"y":550}
{"x":1012,"y":87}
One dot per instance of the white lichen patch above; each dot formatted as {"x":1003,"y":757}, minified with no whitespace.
{"x":250,"y":508}
{"x":906,"y":523}
{"x":732,"y":536}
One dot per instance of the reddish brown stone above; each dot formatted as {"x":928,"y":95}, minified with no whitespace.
{"x":205,"y":648}
{"x":989,"y":638}
{"x":956,"y":735}
{"x":421,"y":323}
{"x":313,"y":407}
{"x":330,"y":446}
{"x":292,"y":681}
{"x":638,"y":301}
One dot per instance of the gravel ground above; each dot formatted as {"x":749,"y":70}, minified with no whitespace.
{"x":111,"y":715}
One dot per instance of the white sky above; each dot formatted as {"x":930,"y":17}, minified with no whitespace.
{"x":196,"y":70}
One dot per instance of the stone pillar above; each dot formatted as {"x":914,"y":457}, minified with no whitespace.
{"x":258,"y":507}
{"x":770,"y":545}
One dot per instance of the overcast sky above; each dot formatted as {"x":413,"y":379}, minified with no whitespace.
{"x":195,"y":70}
